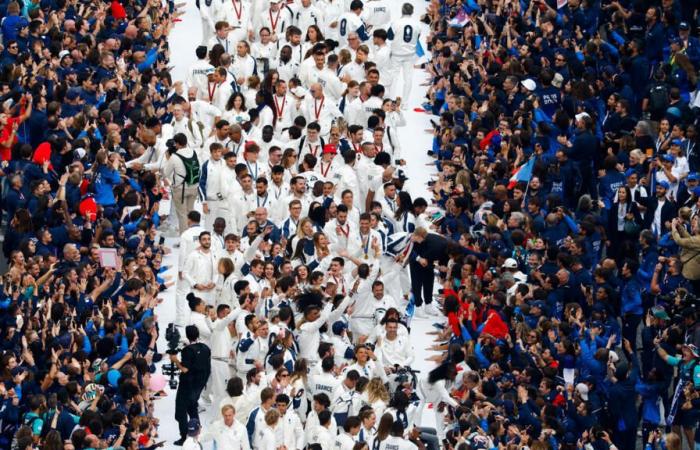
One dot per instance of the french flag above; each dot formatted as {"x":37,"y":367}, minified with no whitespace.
{"x":523,"y":173}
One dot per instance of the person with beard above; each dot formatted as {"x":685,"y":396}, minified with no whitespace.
{"x":660,"y":210}
{"x":200,"y":269}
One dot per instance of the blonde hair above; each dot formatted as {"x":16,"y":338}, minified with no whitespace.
{"x":272,"y":416}
{"x":376,"y":390}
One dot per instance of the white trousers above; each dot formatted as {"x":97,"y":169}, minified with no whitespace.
{"x":216,"y":210}
{"x":216,"y":387}
{"x":404,"y":65}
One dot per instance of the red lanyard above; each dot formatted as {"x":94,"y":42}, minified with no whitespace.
{"x":346,"y":232}
{"x":313,"y":150}
{"x":325,"y":172}
{"x":277,"y":106}
{"x":238,"y":10}
{"x":274,"y":22}
{"x":357,"y":150}
{"x":317,"y":107}
{"x":211,"y":91}
{"x":379,"y":148}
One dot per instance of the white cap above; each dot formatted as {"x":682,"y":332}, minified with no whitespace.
{"x":63,"y":53}
{"x":510,"y":263}
{"x":529,"y":84}
{"x":612,"y":357}
{"x":581,"y":115}
{"x":582,"y":389}
{"x":79,"y":153}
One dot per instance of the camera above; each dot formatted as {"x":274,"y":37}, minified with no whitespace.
{"x":172,"y":336}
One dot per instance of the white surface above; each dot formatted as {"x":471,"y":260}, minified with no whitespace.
{"x":184,"y":38}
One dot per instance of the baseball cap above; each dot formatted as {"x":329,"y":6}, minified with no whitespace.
{"x":330,"y":148}
{"x":193,"y":427}
{"x":537,"y":304}
{"x":510,"y":263}
{"x":693,"y":176}
{"x":63,"y":53}
{"x":581,"y":115}
{"x":582,"y":390}
{"x":675,"y":40}
{"x":668,"y":157}
{"x":660,"y":313}
{"x":675,"y":142}
{"x":683,"y":26}
{"x":529,"y":84}
{"x":663,"y":184}
{"x":693,"y":349}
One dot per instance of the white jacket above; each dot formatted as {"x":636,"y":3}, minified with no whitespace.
{"x":234,"y":437}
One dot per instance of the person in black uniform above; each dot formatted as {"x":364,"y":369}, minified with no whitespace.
{"x":427,"y":248}
{"x":195,"y":368}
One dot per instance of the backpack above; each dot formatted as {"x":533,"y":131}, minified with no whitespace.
{"x":658,"y":98}
{"x":192,"y":169}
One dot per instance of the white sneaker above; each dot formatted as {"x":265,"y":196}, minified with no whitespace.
{"x":433,"y":310}
{"x":420,"y":313}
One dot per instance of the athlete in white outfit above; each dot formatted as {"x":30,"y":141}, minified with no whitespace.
{"x":405,"y":32}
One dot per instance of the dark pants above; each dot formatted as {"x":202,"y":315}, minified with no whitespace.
{"x":630,"y":323}
{"x":429,"y":437}
{"x":422,"y":281}
{"x":186,"y":406}
{"x":625,"y":439}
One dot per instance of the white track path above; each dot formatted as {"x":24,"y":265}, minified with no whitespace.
{"x":184,"y":38}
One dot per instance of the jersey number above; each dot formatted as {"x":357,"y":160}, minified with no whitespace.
{"x":407,"y":33}
{"x":343,"y":26}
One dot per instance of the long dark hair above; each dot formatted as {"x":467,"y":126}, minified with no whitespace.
{"x":405,"y":205}
{"x":445,"y":371}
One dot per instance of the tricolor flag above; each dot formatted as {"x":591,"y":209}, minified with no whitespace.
{"x":523,"y":173}
{"x":461,"y":19}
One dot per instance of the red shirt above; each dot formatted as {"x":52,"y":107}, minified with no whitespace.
{"x":6,"y":152}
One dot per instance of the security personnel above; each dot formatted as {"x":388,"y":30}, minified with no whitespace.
{"x":195,"y":368}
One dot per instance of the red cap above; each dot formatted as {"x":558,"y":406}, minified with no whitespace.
{"x":330,"y":148}
{"x":118,"y":11}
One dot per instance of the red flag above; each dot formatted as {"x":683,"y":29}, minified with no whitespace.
{"x":495,"y":326}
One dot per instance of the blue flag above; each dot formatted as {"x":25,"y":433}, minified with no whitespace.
{"x":419,"y":49}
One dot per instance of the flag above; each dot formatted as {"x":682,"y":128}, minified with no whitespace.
{"x":495,"y":326}
{"x":523,"y":173}
{"x":419,"y":50}
{"x":461,"y":19}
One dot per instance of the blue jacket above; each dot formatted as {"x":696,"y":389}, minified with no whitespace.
{"x":104,"y":182}
{"x":632,"y":297}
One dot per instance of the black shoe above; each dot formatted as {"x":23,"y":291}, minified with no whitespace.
{"x":179,"y":442}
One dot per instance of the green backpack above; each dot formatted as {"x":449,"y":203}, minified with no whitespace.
{"x":192,"y":169}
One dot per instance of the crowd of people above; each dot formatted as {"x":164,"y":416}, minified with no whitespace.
{"x":556,"y":249}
